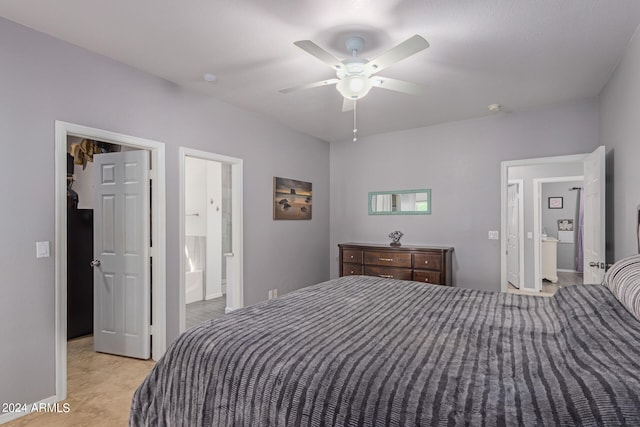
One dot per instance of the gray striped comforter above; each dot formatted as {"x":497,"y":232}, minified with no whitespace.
{"x":363,"y":351}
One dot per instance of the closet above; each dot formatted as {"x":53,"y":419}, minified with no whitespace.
{"x":80,"y":205}
{"x":79,"y":256}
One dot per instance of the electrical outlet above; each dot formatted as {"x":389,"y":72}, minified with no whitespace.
{"x":42,"y":249}
{"x":493,"y":235}
{"x":275,"y":293}
{"x":270,"y":294}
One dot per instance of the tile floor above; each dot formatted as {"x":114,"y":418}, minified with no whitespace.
{"x":200,"y":311}
{"x":549,"y":289}
{"x":100,"y":388}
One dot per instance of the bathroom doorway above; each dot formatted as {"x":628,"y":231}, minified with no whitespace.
{"x":588,"y":168}
{"x":561,"y":230}
{"x":211,"y":230}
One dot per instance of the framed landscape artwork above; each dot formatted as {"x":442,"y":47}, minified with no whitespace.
{"x":292,"y":199}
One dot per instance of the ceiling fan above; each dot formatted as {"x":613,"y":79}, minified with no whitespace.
{"x":356,"y":75}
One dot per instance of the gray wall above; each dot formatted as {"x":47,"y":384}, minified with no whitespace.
{"x":570,"y":210}
{"x":527,"y":174}
{"x":42,"y":80}
{"x":620,"y":133}
{"x":460,"y":162}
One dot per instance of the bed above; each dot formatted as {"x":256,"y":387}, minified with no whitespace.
{"x":366,"y":351}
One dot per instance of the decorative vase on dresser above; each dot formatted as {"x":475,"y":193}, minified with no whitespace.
{"x":426,"y":264}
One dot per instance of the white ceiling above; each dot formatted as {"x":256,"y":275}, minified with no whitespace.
{"x":519,"y":53}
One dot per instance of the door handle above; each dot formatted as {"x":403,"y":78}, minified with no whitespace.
{"x":95,"y":263}
{"x":601,"y":265}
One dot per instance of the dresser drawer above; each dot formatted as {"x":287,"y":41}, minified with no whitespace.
{"x":388,"y":272}
{"x":352,"y":255}
{"x":425,"y":264}
{"x":351,"y":269}
{"x":391,"y":259}
{"x":427,"y":261}
{"x":426,"y":276}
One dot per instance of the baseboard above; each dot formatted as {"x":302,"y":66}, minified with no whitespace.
{"x":566,"y":270}
{"x":214,"y":296}
{"x":228,"y":310}
{"x":10,"y":416}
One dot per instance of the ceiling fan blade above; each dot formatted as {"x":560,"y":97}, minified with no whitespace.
{"x":404,"y":50}
{"x":398,"y":85}
{"x":313,"y":49}
{"x":347,"y":104}
{"x":310,"y":85}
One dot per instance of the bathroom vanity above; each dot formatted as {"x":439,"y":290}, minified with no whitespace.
{"x":550,"y":259}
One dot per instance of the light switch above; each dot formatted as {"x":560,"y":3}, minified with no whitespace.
{"x":42,"y":249}
{"x":493,"y":235}
{"x":529,"y":235}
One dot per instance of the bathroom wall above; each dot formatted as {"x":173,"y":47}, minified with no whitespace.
{"x":204,"y":207}
{"x":227,"y":218}
{"x":528,"y":174}
{"x":213,"y":202}
{"x":195,"y":197}
{"x":550,"y":217}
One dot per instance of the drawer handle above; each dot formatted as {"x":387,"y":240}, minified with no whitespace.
{"x":426,"y":279}
{"x":351,"y":271}
{"x":351,"y":257}
{"x":426,"y":262}
{"x":386,"y":259}
{"x":386,"y":276}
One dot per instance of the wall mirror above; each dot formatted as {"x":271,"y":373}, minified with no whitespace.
{"x":402,"y":202}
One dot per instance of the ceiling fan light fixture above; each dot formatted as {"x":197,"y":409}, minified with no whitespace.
{"x":354,"y":87}
{"x":354,"y":74}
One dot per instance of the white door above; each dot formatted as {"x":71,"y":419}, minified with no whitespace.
{"x":594,"y":216}
{"x":121,"y":233}
{"x":513,"y":235}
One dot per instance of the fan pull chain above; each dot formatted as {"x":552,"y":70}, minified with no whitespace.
{"x":355,"y":129}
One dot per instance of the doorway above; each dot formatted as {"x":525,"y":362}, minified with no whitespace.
{"x":210,"y":236}
{"x":81,"y":154}
{"x":557,"y":222}
{"x":515,"y":232}
{"x":591,"y":166}
{"x":156,"y":232}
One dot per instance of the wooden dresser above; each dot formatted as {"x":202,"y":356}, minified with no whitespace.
{"x":426,"y":264}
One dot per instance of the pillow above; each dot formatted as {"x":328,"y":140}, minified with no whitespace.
{"x":623,"y":280}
